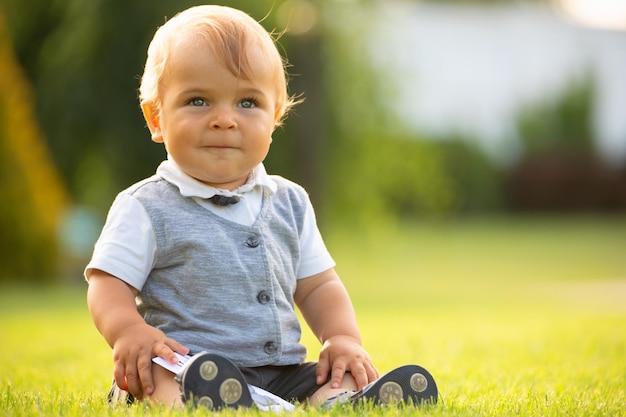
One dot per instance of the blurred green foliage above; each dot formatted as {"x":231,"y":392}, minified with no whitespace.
{"x":359,"y":163}
{"x":560,"y":170}
{"x":33,"y":195}
{"x":380,"y":169}
{"x":85,"y":59}
{"x":561,"y":122}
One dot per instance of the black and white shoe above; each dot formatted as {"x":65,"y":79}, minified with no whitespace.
{"x":410,"y":385}
{"x":214,"y":382}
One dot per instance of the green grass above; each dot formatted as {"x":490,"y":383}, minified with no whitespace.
{"x":522,"y":317}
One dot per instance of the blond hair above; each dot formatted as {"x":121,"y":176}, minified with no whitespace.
{"x":228,"y":32}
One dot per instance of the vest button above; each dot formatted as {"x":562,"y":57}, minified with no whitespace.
{"x":253,"y":242}
{"x":270,"y":348}
{"x":263,"y":297}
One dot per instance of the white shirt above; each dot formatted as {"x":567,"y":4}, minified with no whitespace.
{"x":251,"y":193}
{"x":127,"y":244}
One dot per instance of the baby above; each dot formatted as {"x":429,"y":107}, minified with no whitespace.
{"x":211,"y":255}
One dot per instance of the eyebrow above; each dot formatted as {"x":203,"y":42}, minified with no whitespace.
{"x":243,"y":91}
{"x":253,"y":91}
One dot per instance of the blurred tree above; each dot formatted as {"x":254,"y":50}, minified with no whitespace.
{"x":561,"y":122}
{"x":300,"y":151}
{"x":33,"y":195}
{"x":559,"y":170}
{"x":379,"y":168}
{"x":85,"y":60}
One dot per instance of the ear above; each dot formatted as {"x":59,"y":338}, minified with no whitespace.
{"x":151,"y":114}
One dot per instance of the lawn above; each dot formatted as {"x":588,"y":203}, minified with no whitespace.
{"x":512,"y":316}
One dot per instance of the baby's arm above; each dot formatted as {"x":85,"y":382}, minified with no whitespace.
{"x":326,"y":306}
{"x":112,"y":306}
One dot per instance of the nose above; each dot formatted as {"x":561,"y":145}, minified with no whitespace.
{"x":223,"y":118}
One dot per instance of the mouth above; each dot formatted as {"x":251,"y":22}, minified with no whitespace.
{"x":219,"y":151}
{"x":218,"y":147}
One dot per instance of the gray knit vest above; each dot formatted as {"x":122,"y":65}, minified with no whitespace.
{"x":221,"y":286}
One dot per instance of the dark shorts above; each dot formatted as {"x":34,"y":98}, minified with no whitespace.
{"x":290,"y":382}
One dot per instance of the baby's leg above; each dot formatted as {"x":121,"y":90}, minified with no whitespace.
{"x":325,"y":391}
{"x":166,"y":389}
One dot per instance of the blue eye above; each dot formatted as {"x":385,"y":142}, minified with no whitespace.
{"x":248,"y":103}
{"x":197,"y":102}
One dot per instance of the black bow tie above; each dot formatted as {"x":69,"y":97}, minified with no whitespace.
{"x":222,"y":200}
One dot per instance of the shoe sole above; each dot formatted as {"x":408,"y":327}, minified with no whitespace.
{"x":407,"y":384}
{"x":214,"y":382}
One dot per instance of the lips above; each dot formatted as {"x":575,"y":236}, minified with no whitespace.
{"x":218,"y":146}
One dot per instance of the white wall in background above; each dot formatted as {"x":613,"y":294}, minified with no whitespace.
{"x":470,"y":68}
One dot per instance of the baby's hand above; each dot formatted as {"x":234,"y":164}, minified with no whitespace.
{"x":132,"y":357}
{"x":341,"y":354}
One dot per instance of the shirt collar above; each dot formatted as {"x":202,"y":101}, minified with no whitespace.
{"x":191,"y":187}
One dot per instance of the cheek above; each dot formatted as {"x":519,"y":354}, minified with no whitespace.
{"x":262,"y":147}
{"x":268,"y":140}
{"x":181,"y":134}
{"x":263,"y":134}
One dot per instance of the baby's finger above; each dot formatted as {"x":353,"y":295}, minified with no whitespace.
{"x":132,"y":380}
{"x":359,"y":373}
{"x":144,"y":371}
{"x":120,"y":376}
{"x":176,"y":346}
{"x":372,"y":373}
{"x":339,"y":370}
{"x":322,"y":370}
{"x":164,"y":351}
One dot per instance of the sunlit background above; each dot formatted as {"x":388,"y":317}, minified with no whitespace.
{"x":437,"y":109}
{"x":466,"y":159}
{"x":598,"y":14}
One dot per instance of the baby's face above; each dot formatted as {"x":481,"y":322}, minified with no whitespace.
{"x":215,"y":126}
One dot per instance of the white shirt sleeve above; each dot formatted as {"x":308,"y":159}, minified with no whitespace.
{"x":127,"y":245}
{"x":314,"y":256}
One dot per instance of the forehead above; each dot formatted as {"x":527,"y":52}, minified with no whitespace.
{"x":247,"y":61}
